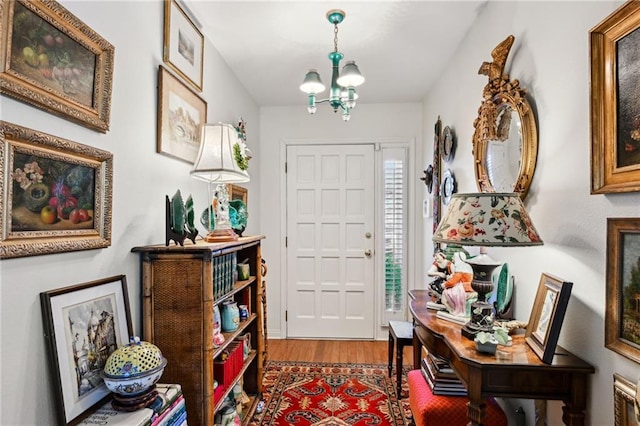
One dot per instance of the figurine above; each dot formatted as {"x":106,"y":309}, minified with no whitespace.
{"x":441,"y":268}
{"x":457,"y":293}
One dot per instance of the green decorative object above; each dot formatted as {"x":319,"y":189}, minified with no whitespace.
{"x":179,"y":220}
{"x":239,"y":219}
{"x":209,"y":224}
{"x":191,"y":227}
{"x":178,"y":212}
{"x":241,"y":160}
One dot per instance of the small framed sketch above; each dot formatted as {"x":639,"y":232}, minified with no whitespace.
{"x":52,"y":60}
{"x":181,"y":115}
{"x":83,"y":324}
{"x":624,"y":399}
{"x":622,"y":312}
{"x":183,"y":44}
{"x":55,"y":194}
{"x":547,"y":315}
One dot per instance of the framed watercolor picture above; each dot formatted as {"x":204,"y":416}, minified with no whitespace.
{"x":52,"y":60}
{"x":183,"y":44}
{"x":547,"y":315}
{"x":55,"y":194}
{"x":615,"y":104}
{"x":83,"y":324}
{"x":622,"y":313}
{"x":181,"y":115}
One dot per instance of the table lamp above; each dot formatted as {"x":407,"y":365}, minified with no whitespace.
{"x":219,"y":161}
{"x":485,"y":219}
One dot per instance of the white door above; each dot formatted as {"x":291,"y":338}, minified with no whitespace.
{"x":330,"y":241}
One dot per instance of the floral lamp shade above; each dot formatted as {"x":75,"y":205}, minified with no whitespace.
{"x":487,"y":219}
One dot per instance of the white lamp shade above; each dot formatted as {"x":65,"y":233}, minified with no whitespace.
{"x":312,"y":83}
{"x":350,"y":75}
{"x":215,"y":161}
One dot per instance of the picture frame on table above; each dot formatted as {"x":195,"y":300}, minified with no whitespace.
{"x":624,"y":398}
{"x":83,"y":324}
{"x":237,"y":192}
{"x":52,"y":60}
{"x":181,"y":115}
{"x":56,"y":194}
{"x":183,"y":44}
{"x":615,"y":108}
{"x":547,"y":315}
{"x":623,"y":287}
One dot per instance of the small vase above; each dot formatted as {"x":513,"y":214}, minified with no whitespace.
{"x":230,"y":316}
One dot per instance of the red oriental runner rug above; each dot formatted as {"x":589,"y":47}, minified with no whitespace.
{"x":306,"y":394}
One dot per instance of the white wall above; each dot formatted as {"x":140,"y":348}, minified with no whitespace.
{"x":374,"y":123}
{"x":550,"y":57}
{"x":142,"y":178}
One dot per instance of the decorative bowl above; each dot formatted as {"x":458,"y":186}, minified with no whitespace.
{"x":133,"y":368}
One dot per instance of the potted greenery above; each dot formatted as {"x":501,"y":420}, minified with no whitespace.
{"x":487,"y":342}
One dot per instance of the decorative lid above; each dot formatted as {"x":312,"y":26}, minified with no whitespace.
{"x":134,"y":359}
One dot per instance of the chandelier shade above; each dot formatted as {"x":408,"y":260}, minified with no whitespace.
{"x":312,"y":83}
{"x":342,"y":91}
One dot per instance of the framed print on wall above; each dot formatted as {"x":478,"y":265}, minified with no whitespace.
{"x":181,"y":115}
{"x":547,"y":314}
{"x":83,"y":324}
{"x":624,"y":397}
{"x":237,"y":192}
{"x":622,"y":313}
{"x":52,"y":60}
{"x":183,"y":44}
{"x":55,"y":194}
{"x":615,"y":104}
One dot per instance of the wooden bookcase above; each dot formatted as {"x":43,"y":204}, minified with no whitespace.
{"x":178,"y":287}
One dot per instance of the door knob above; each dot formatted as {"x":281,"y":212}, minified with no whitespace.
{"x":367,"y":253}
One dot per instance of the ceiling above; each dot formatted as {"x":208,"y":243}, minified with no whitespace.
{"x":399,"y":46}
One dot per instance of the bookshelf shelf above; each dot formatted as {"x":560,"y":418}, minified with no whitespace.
{"x":180,"y":287}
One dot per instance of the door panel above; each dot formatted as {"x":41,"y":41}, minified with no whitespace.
{"x":330,"y":209}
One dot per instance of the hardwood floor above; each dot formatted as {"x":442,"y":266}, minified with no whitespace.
{"x":352,"y":351}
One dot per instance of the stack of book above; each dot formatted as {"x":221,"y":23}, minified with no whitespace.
{"x":168,"y":409}
{"x":440,"y":376}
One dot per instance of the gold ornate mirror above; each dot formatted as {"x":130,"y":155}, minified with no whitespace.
{"x":505,"y":141}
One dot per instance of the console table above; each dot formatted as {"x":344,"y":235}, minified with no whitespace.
{"x":519,"y":373}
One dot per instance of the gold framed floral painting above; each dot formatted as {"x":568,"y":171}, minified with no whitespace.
{"x":615,"y":101}
{"x":52,"y":60}
{"x":56,"y":194}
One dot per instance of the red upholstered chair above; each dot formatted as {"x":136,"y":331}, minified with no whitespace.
{"x":436,"y":410}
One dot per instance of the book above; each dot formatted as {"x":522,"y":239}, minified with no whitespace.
{"x":440,"y":377}
{"x":438,"y":388}
{"x":107,"y":415}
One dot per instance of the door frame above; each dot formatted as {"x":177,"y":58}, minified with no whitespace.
{"x":414,"y":231}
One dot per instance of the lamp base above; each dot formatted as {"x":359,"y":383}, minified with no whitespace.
{"x":221,"y":236}
{"x":481,"y":312}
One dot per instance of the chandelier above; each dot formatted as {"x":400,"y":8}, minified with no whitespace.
{"x":343,"y":85}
